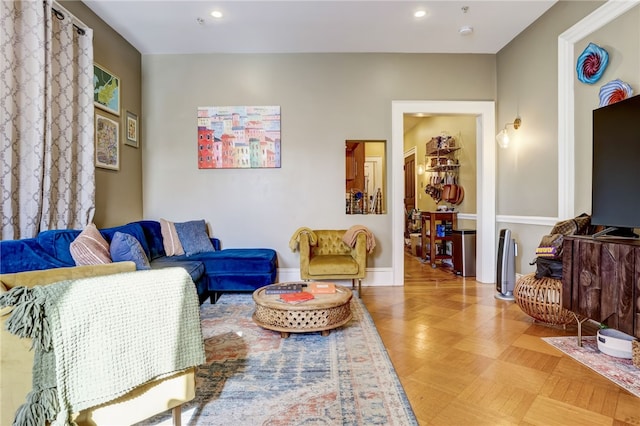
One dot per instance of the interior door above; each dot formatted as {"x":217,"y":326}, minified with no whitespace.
{"x":409,"y":183}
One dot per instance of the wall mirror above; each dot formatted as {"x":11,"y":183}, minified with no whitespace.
{"x":365,"y":177}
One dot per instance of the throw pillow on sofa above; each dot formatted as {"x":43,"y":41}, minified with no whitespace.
{"x":125,"y":247}
{"x":170,"y":239}
{"x":90,"y":248}
{"x":194,"y":237}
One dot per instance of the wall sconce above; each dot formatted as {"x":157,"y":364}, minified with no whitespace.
{"x":503,"y":137}
{"x":420,"y":169}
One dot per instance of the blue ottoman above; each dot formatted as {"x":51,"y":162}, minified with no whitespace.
{"x":239,"y":270}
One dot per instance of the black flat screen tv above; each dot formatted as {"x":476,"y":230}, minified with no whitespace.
{"x":615,"y":192}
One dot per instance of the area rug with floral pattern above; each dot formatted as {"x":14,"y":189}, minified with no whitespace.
{"x":619,"y":370}
{"x":252,"y":376}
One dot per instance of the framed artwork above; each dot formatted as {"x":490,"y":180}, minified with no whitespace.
{"x":131,"y":130}
{"x":107,"y":143}
{"x":106,"y":90}
{"x":238,"y":137}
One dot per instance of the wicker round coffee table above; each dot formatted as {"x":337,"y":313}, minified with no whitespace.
{"x":323,"y":313}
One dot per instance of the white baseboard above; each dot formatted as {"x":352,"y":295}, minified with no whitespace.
{"x":374,"y":277}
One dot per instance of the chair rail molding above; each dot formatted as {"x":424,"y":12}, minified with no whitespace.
{"x":528,"y":220}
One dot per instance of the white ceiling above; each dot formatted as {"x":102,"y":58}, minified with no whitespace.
{"x":264,"y":26}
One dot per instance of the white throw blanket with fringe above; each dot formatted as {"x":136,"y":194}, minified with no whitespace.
{"x":98,"y":338}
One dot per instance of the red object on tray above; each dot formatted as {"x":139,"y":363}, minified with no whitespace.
{"x":303,"y":296}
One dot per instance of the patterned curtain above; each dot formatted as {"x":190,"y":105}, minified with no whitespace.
{"x":47,"y":175}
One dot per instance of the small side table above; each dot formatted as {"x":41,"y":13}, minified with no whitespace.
{"x":541,"y":298}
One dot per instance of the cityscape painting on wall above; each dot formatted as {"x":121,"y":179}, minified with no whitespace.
{"x":238,"y":137}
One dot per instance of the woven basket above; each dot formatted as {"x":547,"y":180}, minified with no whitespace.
{"x":542,"y":299}
{"x":635,"y":353}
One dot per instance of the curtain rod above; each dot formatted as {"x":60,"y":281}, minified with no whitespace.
{"x":76,"y":23}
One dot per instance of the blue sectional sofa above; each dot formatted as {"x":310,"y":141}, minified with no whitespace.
{"x":215,"y":272}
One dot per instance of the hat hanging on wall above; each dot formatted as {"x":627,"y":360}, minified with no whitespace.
{"x":591,"y":63}
{"x":614,"y":91}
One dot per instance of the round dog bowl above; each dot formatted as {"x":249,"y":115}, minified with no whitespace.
{"x":615,"y":343}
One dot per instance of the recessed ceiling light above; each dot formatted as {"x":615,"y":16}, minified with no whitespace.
{"x":216,"y":14}
{"x":466,"y":30}
{"x":420,"y":13}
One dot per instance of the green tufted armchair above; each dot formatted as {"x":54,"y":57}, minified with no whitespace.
{"x":331,"y":258}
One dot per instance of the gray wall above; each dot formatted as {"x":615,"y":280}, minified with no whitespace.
{"x":527,"y":84}
{"x":325,"y":100}
{"x":621,"y":40}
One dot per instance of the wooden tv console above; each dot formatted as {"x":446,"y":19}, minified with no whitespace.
{"x":601,"y":280}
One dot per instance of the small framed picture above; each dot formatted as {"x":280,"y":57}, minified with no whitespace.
{"x":131,"y":130}
{"x":106,"y":90}
{"x":107,"y":143}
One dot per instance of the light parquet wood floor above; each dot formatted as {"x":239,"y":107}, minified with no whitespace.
{"x":467,"y":358}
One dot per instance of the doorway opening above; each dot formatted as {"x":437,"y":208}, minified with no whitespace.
{"x":485,"y":215}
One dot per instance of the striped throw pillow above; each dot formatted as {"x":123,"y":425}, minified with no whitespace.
{"x":170,"y":239}
{"x":90,"y":247}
